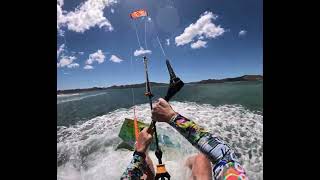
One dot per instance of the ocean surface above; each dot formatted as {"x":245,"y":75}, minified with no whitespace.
{"x":89,"y":123}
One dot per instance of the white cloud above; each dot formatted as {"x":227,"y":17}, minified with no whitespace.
{"x":89,"y":14}
{"x":87,"y":67}
{"x":141,"y":51}
{"x":60,"y":2}
{"x":242,"y":33}
{"x":203,"y":28}
{"x":66,"y":61}
{"x":60,"y":32}
{"x":73,"y":65}
{"x":60,"y":17}
{"x":168,"y":42}
{"x":112,"y":10}
{"x":60,"y":50}
{"x":97,"y":56}
{"x":80,"y":52}
{"x":115,"y":59}
{"x":198,"y":44}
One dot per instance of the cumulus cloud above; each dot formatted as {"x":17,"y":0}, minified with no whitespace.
{"x":97,"y":56}
{"x":202,"y":29}
{"x":87,"y":15}
{"x":60,"y":17}
{"x":60,"y":50}
{"x":168,"y":42}
{"x":115,"y":59}
{"x":60,"y":2}
{"x":67,"y":61}
{"x":60,"y":32}
{"x":73,"y":65}
{"x":198,"y":44}
{"x":242,"y":33}
{"x":141,"y":51}
{"x":79,"y":53}
{"x":88,"y":67}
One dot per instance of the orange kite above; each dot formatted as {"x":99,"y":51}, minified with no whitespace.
{"x":138,"y":14}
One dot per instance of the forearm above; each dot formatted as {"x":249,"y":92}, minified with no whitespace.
{"x":135,"y":169}
{"x":199,"y":137}
{"x":219,"y":153}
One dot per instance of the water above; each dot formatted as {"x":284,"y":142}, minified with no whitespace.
{"x":81,"y":107}
{"x":88,"y":125}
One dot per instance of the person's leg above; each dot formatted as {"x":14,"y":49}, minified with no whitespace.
{"x":190,"y":161}
{"x":150,"y":173}
{"x":200,"y":166}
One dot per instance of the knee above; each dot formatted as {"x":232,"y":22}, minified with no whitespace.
{"x":201,"y":157}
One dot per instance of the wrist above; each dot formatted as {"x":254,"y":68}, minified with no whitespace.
{"x":139,"y":153}
{"x":140,"y":149}
{"x":173,"y":117}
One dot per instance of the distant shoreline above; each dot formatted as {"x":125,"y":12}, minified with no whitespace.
{"x":155,"y":84}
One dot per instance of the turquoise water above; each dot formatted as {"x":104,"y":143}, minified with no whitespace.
{"x":89,"y":123}
{"x":84,"y":106}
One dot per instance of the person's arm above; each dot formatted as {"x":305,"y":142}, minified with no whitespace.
{"x":135,"y":169}
{"x":138,"y":164}
{"x":226,"y":164}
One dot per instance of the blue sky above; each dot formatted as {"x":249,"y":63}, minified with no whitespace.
{"x":224,"y":40}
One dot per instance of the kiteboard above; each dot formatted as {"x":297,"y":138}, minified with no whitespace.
{"x":127,"y":136}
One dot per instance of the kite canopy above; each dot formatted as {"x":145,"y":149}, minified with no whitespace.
{"x":139,"y":13}
{"x":127,"y":135}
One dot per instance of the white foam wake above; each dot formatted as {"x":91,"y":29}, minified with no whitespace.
{"x":87,"y":151}
{"x":67,"y":95}
{"x":77,"y":97}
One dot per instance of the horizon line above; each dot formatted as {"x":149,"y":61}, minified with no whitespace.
{"x":155,"y":82}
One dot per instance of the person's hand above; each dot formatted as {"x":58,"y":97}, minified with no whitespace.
{"x":162,"y":111}
{"x":144,"y":140}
